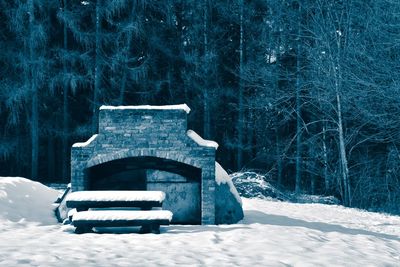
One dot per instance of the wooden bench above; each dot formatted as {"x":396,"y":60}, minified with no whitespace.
{"x":149,"y":220}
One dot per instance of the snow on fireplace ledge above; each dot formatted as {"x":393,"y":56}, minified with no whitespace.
{"x":149,"y":107}
{"x":83,"y":144}
{"x":200,"y":141}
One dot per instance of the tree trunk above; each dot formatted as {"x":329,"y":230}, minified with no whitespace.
{"x":34,"y":90}
{"x":342,"y":153}
{"x":121,"y":98}
{"x":65,"y":132}
{"x":34,"y":132}
{"x":206,"y":106}
{"x":278,"y":157}
{"x":122,"y":91}
{"x":97,"y":70}
{"x":240,"y":100}
{"x":65,"y":136}
{"x":51,"y":159}
{"x":180,"y":14}
{"x":250,"y":139}
{"x":342,"y":147}
{"x":170,"y":78}
{"x":298,"y":108}
{"x":278,"y":151}
{"x":311,"y":162}
{"x":325,"y":159}
{"x":206,"y":115}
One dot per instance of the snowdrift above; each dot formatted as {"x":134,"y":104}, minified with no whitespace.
{"x":25,"y":200}
{"x":228,"y":204}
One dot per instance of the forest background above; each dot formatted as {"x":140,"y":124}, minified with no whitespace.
{"x":305,"y":92}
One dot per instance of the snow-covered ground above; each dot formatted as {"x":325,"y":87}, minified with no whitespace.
{"x":272,"y":234}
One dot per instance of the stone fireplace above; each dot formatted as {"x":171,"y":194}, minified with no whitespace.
{"x":150,"y":148}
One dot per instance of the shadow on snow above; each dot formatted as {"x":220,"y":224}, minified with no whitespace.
{"x":254,"y":216}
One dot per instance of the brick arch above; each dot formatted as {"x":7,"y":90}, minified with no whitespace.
{"x":169,"y":155}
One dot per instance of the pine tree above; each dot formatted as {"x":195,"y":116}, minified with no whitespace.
{"x":30,"y":25}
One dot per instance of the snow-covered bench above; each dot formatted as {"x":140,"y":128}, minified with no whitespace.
{"x":150,"y":220}
{"x":84,"y":200}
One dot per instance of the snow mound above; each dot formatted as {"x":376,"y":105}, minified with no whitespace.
{"x":221,"y":176}
{"x":25,"y":200}
{"x":251,"y":184}
{"x":228,"y":204}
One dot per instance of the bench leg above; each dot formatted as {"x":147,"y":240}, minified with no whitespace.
{"x":155,"y":229}
{"x":82,"y":209}
{"x":150,"y":228}
{"x":83,"y":229}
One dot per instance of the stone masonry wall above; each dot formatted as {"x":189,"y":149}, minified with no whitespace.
{"x":136,"y":132}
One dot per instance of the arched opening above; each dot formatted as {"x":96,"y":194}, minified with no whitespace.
{"x":181,"y":182}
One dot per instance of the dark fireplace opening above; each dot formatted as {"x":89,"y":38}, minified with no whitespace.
{"x":180,"y":182}
{"x":104,"y":179}
{"x":131,"y":173}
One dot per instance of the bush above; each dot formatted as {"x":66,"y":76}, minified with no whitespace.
{"x":251,"y":184}
{"x":255,"y":185}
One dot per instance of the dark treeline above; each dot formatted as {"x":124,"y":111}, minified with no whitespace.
{"x":307,"y":92}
